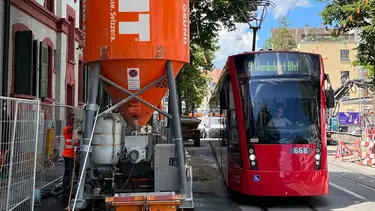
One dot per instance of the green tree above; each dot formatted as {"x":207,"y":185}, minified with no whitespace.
{"x":355,"y":15}
{"x":207,"y":18}
{"x":192,"y":82}
{"x":282,"y":40}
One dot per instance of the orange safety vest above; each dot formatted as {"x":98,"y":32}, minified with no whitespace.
{"x":68,"y":146}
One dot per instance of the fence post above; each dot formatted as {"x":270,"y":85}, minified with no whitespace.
{"x":37,"y":122}
{"x":11,"y":156}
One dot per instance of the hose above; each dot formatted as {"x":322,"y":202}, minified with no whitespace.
{"x":73,"y":174}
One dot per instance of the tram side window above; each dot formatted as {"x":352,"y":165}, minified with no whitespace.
{"x":234,"y":138}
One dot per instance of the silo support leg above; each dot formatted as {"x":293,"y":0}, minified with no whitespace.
{"x":89,"y":121}
{"x":134,"y":95}
{"x":176,"y":126}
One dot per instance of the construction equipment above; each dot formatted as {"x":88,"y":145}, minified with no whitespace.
{"x":343,"y":90}
{"x":189,"y":127}
{"x":135,"y":51}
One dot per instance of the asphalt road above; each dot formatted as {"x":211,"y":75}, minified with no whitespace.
{"x":352,"y":188}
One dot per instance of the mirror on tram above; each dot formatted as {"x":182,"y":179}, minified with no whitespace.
{"x":223,"y":100}
{"x":330,"y":98}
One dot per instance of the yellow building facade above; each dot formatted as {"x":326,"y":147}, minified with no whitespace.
{"x":338,"y":55}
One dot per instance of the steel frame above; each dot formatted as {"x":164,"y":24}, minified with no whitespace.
{"x":134,"y":95}
{"x":173,"y":116}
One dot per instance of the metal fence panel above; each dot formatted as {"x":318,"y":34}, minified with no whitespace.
{"x":51,"y":143}
{"x":18,"y":147}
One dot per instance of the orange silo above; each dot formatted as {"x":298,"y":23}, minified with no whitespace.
{"x":133,"y":40}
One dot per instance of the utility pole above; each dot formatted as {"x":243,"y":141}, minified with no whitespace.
{"x":255,"y":30}
{"x":254,"y":21}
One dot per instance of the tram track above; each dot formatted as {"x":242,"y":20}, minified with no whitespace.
{"x":263,"y":208}
{"x":346,"y":168}
{"x":312,"y":207}
{"x":304,"y":206}
{"x":352,"y":180}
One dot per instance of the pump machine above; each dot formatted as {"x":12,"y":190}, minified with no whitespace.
{"x":135,"y":52}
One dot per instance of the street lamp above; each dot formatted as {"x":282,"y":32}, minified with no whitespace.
{"x":254,"y":21}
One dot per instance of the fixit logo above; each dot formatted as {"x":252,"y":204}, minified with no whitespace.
{"x":140,"y":27}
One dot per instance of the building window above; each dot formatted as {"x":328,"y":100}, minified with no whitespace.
{"x":71,"y":40}
{"x":80,"y":14}
{"x":80,"y":81}
{"x":23,"y":65}
{"x":344,"y":78}
{"x":45,"y":70}
{"x":344,"y":55}
{"x":50,"y":5}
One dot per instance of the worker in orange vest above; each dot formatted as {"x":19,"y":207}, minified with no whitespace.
{"x":69,"y":156}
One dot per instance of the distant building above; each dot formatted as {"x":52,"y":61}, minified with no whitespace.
{"x":338,"y":54}
{"x":300,"y":34}
{"x":215,"y":76}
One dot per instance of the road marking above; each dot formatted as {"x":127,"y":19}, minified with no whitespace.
{"x":347,"y":191}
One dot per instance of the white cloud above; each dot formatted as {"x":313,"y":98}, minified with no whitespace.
{"x":234,"y":42}
{"x":282,"y":6}
{"x":240,"y":40}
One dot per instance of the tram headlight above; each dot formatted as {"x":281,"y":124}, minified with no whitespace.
{"x":252,"y":157}
{"x":317,"y":157}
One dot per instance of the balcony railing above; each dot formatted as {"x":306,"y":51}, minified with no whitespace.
{"x":329,"y":38}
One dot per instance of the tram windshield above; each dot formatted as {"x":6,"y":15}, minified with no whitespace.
{"x":282,"y":111}
{"x":281,"y":96}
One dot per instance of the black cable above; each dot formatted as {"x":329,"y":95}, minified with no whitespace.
{"x":132,"y":185}
{"x":130,"y":174}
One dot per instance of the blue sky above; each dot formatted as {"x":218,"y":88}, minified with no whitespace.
{"x":304,"y":12}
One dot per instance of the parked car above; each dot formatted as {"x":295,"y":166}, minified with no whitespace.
{"x":214,"y":127}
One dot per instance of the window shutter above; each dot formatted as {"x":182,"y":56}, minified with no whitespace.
{"x":23,"y":62}
{"x":43,"y":88}
{"x":35,"y":66}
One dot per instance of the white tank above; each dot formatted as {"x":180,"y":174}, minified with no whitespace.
{"x":106,"y":143}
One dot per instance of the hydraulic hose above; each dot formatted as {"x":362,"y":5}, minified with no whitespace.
{"x":73,"y":175}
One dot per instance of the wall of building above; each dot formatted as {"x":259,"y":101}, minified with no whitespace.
{"x":333,"y":65}
{"x":52,"y":26}
{"x":1,"y":40}
{"x":19,"y":19}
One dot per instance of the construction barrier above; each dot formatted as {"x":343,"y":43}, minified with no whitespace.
{"x":344,"y":153}
{"x":20,"y":123}
{"x":365,"y":147}
{"x":51,"y":142}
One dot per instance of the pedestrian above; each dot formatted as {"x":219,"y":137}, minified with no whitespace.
{"x":69,"y":158}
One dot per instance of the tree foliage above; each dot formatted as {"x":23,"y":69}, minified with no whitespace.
{"x":192,"y":83}
{"x":207,"y":18}
{"x":357,"y":15}
{"x":346,"y":16}
{"x":282,"y":40}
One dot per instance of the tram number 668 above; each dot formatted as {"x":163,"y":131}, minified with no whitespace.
{"x":162,"y":84}
{"x":301,"y":150}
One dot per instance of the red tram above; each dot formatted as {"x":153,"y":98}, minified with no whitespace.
{"x":274,"y":114}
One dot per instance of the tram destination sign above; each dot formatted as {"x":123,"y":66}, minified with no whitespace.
{"x":282,"y":63}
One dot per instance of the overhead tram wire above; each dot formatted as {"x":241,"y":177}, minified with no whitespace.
{"x":290,"y":9}
{"x":235,"y":42}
